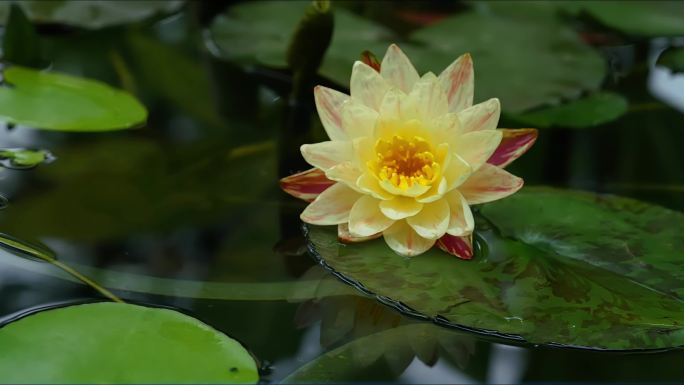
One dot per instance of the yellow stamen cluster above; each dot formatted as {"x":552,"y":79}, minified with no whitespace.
{"x":404,"y":161}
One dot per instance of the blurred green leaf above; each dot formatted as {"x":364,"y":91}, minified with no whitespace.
{"x":120,"y":343}
{"x":509,"y":51}
{"x":594,"y":110}
{"x":22,"y":158}
{"x":648,"y":18}
{"x":562,"y":267}
{"x":672,"y":58}
{"x":525,"y":63}
{"x":53,"y":101}
{"x":20,"y":42}
{"x":91,"y":14}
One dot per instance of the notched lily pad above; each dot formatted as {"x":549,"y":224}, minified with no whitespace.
{"x":593,"y":110}
{"x":53,"y":101}
{"x":120,"y":343}
{"x":563,"y":268}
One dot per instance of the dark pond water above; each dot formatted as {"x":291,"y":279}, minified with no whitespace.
{"x":186,"y":212}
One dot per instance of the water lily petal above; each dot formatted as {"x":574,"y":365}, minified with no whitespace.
{"x":400,"y":207}
{"x":426,"y":101}
{"x":345,"y":236}
{"x":369,"y":184}
{"x":478,"y":146}
{"x":358,"y":120}
{"x":413,"y":191}
{"x":432,"y":221}
{"x":346,"y":173}
{"x":325,"y":155}
{"x":367,"y":85}
{"x":461,"y":247}
{"x":458,"y":82}
{"x":488,"y":184}
{"x":436,"y":192}
{"x":331,"y":207}
{"x":482,"y":116}
{"x":306,"y":185}
{"x":461,"y":221}
{"x":513,"y":144}
{"x":456,"y":172}
{"x":401,"y":238}
{"x":329,"y":105}
{"x":397,"y":69}
{"x":366,"y":219}
{"x":391,"y":108}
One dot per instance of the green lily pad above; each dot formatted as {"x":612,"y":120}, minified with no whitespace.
{"x":91,"y":14}
{"x":594,"y":110}
{"x":523,"y":62}
{"x":649,"y":18}
{"x":53,"y":101}
{"x":120,"y":343}
{"x":559,"y":268}
{"x":673,"y":58}
{"x":508,"y":51}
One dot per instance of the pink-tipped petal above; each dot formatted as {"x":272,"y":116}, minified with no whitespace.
{"x":513,"y":144}
{"x":461,"y":247}
{"x":397,"y":69}
{"x":306,"y":185}
{"x":476,"y":147}
{"x":329,"y":105}
{"x":401,"y":238}
{"x":488,"y":184}
{"x":366,"y":219}
{"x":345,"y":236}
{"x":458,"y":82}
{"x":369,"y":59}
{"x":482,"y":116}
{"x":367,"y":85}
{"x":326,"y":155}
{"x":331,"y":207}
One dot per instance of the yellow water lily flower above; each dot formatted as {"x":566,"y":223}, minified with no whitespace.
{"x":407,"y":157}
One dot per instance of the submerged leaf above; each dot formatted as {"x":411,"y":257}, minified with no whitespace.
{"x":61,"y":102}
{"x":567,"y":268}
{"x":120,"y":343}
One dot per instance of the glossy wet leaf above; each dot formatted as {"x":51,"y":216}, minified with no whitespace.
{"x":593,"y":110}
{"x":507,"y":51}
{"x":673,"y":58}
{"x":91,"y":14}
{"x":120,"y":343}
{"x":54,"y":101}
{"x":650,"y":18}
{"x":568,"y":268}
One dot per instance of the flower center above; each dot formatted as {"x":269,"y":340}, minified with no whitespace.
{"x":404,"y":161}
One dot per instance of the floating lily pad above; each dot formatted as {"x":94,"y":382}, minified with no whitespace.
{"x":523,"y":62}
{"x":120,"y":343}
{"x":560,"y":268}
{"x":641,"y":18}
{"x":508,"y":51}
{"x":91,"y":14}
{"x":594,"y":110}
{"x":61,"y":102}
{"x":673,"y":58}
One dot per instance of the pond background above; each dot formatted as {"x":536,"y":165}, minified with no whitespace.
{"x":186,"y":211}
